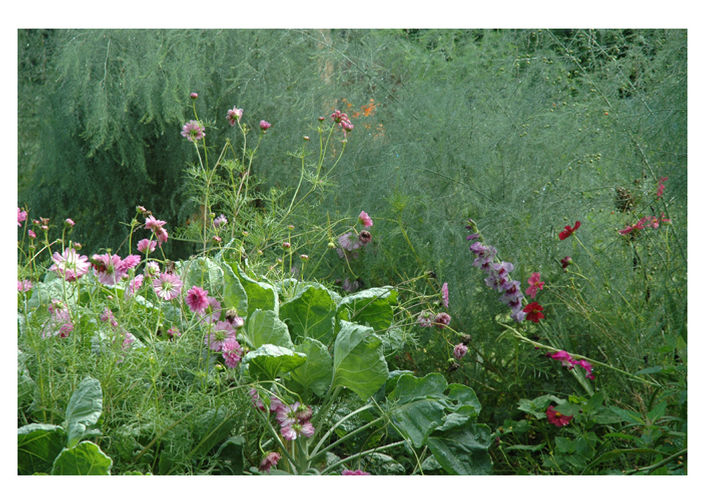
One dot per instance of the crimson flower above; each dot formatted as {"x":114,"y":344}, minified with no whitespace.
{"x":566,"y":261}
{"x":557,"y":418}
{"x":533,"y":312}
{"x":569,"y":230}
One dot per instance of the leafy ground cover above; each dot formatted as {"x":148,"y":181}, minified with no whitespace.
{"x":323,"y":325}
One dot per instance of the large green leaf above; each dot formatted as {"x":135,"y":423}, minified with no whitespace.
{"x":463,"y":449}
{"x":264,"y":327}
{"x":260,"y":295}
{"x":202,"y":272}
{"x":231,"y":454}
{"x":316,"y":373}
{"x":234,"y":294}
{"x":358,"y":362}
{"x":86,"y":458}
{"x":271,"y":361}
{"x":310,"y":313}
{"x":38,"y":445}
{"x":373,"y":307}
{"x":84,"y":409}
{"x":210,"y":429}
{"x":417,"y":405}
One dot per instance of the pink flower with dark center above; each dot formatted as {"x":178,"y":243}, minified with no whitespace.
{"x":21,"y":216}
{"x":231,"y":351}
{"x":364,"y":237}
{"x":264,"y":126}
{"x":167,"y":286}
{"x":69,"y":264}
{"x":146,"y":246}
{"x":535,"y":284}
{"x":269,"y":461}
{"x":108,"y":268}
{"x":557,"y":418}
{"x":441,"y":320}
{"x":193,"y":131}
{"x":197,"y":299}
{"x":346,"y":473}
{"x":445,"y":294}
{"x":221,"y":333}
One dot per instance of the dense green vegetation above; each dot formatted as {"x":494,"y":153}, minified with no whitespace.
{"x":502,"y":136}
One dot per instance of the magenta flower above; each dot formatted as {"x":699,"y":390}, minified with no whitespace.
{"x":167,"y":286}
{"x":146,"y":246}
{"x":234,"y":115}
{"x":365,"y":219}
{"x":346,"y":473}
{"x":69,"y":264}
{"x":269,"y":461}
{"x":231,"y":351}
{"x":21,"y":216}
{"x":557,"y":418}
{"x":212,"y":311}
{"x":587,"y":367}
{"x":441,"y":320}
{"x":134,"y":285}
{"x":459,"y":351}
{"x":129,"y":262}
{"x":264,"y":126}
{"x":444,"y":294}
{"x":110,"y":269}
{"x":563,"y":357}
{"x":193,"y":131}
{"x":156,"y":226}
{"x":535,"y":284}
{"x":23,"y":285}
{"x":197,"y":299}
{"x":221,"y":333}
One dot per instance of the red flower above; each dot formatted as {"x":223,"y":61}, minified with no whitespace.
{"x":569,"y":230}
{"x":533,"y":312}
{"x":557,"y":418}
{"x":566,"y":261}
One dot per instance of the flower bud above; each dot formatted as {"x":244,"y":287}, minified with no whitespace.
{"x":193,"y":95}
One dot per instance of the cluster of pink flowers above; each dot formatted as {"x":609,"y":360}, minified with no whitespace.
{"x":23,"y":285}
{"x":222,"y":333}
{"x":110,"y":269}
{"x":21,"y":216}
{"x":557,"y":418}
{"x":429,"y":319}
{"x":342,"y":120}
{"x":294,"y":420}
{"x":646,"y":222}
{"x":569,"y":362}
{"x":60,"y":323}
{"x":498,"y":276}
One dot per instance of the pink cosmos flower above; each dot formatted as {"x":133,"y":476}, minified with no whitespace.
{"x":134,"y":285}
{"x":349,"y":241}
{"x":441,"y":320}
{"x":69,"y":264}
{"x":231,"y":351}
{"x":269,"y":461}
{"x":365,"y":219}
{"x":567,"y":232}
{"x":264,"y":126}
{"x":193,"y":131}
{"x":110,"y":269}
{"x":21,"y":216}
{"x":234,"y":115}
{"x":31,"y":234}
{"x":145,"y":245}
{"x":219,"y":221}
{"x":221,"y":333}
{"x":563,"y":357}
{"x":197,"y":299}
{"x":156,"y":226}
{"x":444,"y":294}
{"x":193,"y":95}
{"x":535,"y":284}
{"x":129,"y":262}
{"x":23,"y":285}
{"x":557,"y":418}
{"x":167,"y":286}
{"x":151,"y":269}
{"x":212,"y":311}
{"x":425,"y":319}
{"x":459,"y":351}
{"x":346,"y":473}
{"x":70,"y":222}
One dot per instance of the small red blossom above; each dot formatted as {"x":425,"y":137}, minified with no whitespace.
{"x":567,"y":232}
{"x":566,"y":261}
{"x":533,"y":312}
{"x":557,"y":418}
